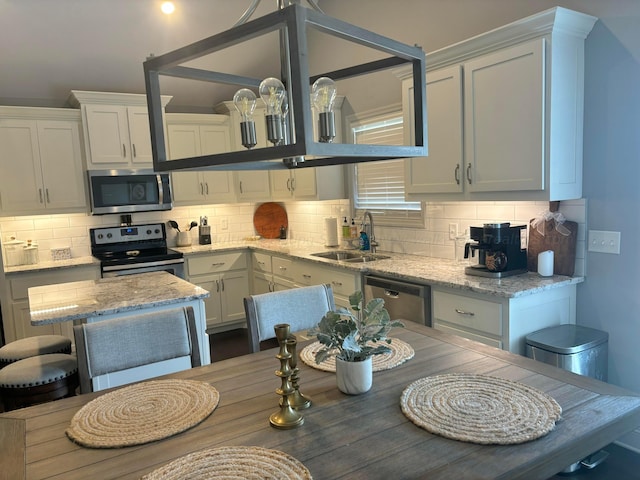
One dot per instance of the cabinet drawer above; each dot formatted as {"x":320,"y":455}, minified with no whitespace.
{"x":261,"y":262}
{"x":471,"y":336}
{"x":21,"y":282}
{"x":468,"y":312}
{"x":342,"y":282}
{"x":282,"y":267}
{"x":203,"y":264}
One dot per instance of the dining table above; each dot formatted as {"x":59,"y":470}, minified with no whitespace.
{"x":364,"y":436}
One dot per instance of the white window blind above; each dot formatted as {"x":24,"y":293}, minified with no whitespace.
{"x":379,"y":185}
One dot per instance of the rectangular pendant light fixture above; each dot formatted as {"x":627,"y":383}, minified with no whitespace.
{"x":301,"y":148}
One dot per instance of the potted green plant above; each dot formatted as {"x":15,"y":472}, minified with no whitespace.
{"x":354,"y":336}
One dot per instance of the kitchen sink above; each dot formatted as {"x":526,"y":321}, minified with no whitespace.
{"x":351,"y":257}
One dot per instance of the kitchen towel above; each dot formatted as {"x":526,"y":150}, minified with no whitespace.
{"x":331,"y":232}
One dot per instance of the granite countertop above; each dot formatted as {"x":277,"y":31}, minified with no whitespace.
{"x":90,"y":298}
{"x":413,"y":268}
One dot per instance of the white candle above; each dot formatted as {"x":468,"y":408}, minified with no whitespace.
{"x":545,"y":263}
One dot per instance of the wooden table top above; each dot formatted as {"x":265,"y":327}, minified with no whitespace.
{"x":365,"y":436}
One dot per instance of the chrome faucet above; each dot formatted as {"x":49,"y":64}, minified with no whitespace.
{"x":372,"y":236}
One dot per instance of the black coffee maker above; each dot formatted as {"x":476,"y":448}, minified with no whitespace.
{"x":499,"y":250}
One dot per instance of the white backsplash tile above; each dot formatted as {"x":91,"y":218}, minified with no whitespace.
{"x":306,"y":225}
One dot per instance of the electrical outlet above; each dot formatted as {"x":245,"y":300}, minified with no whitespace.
{"x":224,"y":224}
{"x":453,"y":231}
{"x":604,"y":242}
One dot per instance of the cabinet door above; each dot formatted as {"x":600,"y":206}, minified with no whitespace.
{"x":184,"y":142}
{"x":212,"y":304}
{"x":61,"y":160}
{"x":253,"y":185}
{"x":108,"y":130}
{"x":22,"y":323}
{"x":442,"y":170}
{"x":261,"y":283}
{"x":139,"y":136}
{"x":304,"y":183}
{"x":218,"y":186}
{"x":234,"y":286}
{"x":504,"y":119}
{"x":280,"y":184}
{"x":21,"y":188}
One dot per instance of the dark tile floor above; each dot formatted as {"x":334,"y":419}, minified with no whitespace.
{"x":622,"y":464}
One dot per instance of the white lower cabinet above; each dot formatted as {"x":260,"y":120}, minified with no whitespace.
{"x":499,"y":321}
{"x":17,"y":318}
{"x":343,"y":282}
{"x":271,"y":273}
{"x":226,"y":277}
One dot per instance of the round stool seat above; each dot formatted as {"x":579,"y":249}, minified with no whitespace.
{"x":38,"y":379}
{"x":32,"y":346}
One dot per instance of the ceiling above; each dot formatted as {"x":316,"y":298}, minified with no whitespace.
{"x":100,"y":45}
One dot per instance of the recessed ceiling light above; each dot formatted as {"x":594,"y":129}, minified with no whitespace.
{"x":167,"y":8}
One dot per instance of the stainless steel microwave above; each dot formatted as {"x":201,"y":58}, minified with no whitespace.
{"x":128,"y":191}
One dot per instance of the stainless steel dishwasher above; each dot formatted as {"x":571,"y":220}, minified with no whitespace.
{"x":403,"y":300}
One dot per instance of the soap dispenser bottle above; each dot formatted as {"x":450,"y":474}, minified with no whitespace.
{"x":364,"y":241}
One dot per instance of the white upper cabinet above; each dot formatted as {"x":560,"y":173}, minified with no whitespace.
{"x":41,"y":161}
{"x":505,"y":113}
{"x":116,"y":129}
{"x":192,"y":135}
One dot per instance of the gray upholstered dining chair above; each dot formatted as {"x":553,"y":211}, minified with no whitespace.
{"x":148,"y":339}
{"x":302,"y":308}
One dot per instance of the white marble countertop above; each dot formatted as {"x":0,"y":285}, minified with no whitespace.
{"x":91,"y":298}
{"x":53,"y":265}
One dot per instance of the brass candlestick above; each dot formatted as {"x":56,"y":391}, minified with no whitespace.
{"x":297,"y":399}
{"x":286,"y":417}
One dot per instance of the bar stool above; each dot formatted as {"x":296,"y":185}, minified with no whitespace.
{"x":32,"y":346}
{"x":38,"y":379}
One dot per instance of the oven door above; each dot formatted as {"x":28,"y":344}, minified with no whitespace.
{"x":174,"y":267}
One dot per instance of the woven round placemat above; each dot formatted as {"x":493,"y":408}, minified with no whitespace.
{"x":480,"y":409}
{"x":233,"y":463}
{"x":142,"y":413}
{"x":400,"y":353}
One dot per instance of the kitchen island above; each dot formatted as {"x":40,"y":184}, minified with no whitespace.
{"x":364,"y":436}
{"x":115,"y":297}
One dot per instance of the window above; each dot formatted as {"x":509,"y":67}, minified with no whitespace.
{"x":379,"y":186}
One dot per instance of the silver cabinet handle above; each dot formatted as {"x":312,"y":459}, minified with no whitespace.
{"x":201,"y":188}
{"x":241,"y":187}
{"x":469,"y":174}
{"x":40,"y":194}
{"x":261,"y":263}
{"x":206,"y":187}
{"x":293,"y":184}
{"x":464,"y":312}
{"x":124,"y":150}
{"x":133,"y":145}
{"x":289,"y":184}
{"x":218,"y":264}
{"x":217,"y":285}
{"x":306,"y":276}
{"x":283,"y":268}
{"x":222,"y":283}
{"x":456,"y":174}
{"x":47,"y":195}
{"x":338,"y":284}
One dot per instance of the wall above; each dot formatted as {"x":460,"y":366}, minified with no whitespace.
{"x":306,"y":224}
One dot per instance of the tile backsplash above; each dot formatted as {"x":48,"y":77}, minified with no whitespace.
{"x":232,"y":222}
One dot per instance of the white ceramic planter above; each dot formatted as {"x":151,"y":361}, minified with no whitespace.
{"x":354,"y":378}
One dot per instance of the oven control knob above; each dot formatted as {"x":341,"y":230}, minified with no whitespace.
{"x":100,"y":235}
{"x":109,"y":235}
{"x":148,"y":232}
{"x":157,"y":231}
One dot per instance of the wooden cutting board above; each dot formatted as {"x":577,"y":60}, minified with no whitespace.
{"x":563,"y":246}
{"x":268,"y":218}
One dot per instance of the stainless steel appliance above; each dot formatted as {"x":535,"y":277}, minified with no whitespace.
{"x":403,"y":300}
{"x":499,"y":249}
{"x":128,"y":191}
{"x":130,"y":249}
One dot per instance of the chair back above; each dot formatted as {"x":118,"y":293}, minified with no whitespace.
{"x":110,"y":346}
{"x":302,"y":308}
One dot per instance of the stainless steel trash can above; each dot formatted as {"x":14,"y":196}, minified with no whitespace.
{"x":575,"y":348}
{"x":579,"y":350}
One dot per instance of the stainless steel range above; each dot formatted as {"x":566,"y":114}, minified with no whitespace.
{"x":130,"y":249}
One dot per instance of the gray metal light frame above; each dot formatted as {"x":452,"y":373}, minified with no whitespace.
{"x":292,"y":23}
